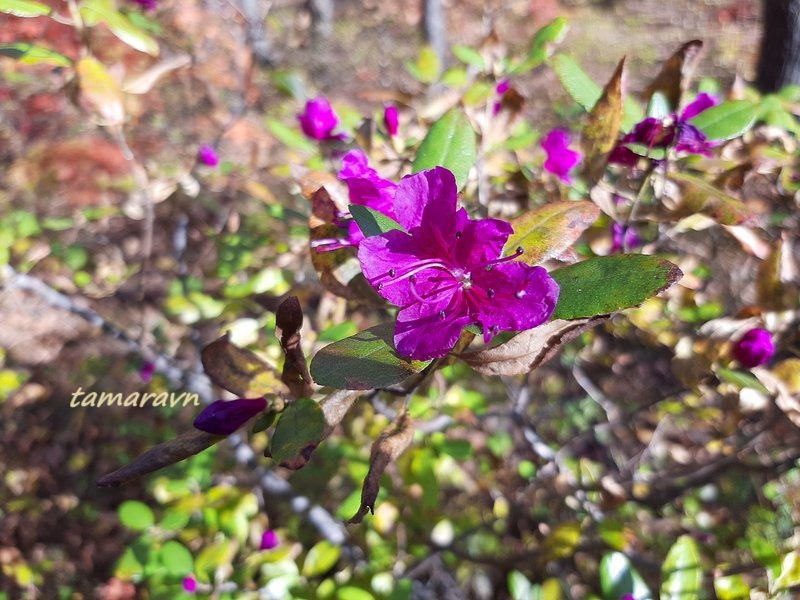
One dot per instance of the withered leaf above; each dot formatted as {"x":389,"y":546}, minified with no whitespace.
{"x":239,"y":370}
{"x":385,"y":450}
{"x":165,"y":454}
{"x":289,"y":320}
{"x":603,"y":124}
{"x":529,"y":349}
{"x":676,"y":74}
{"x":699,"y":196}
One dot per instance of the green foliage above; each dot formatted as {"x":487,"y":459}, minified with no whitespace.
{"x":727,"y":120}
{"x":450,"y":143}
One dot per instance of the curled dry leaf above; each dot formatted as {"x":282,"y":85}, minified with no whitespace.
{"x":787,"y":401}
{"x":676,"y":74}
{"x":100,"y":92}
{"x":240,"y":371}
{"x":603,"y":124}
{"x":386,"y":449}
{"x":163,"y":455}
{"x":529,"y":349}
{"x":289,"y":321}
{"x":144,"y":81}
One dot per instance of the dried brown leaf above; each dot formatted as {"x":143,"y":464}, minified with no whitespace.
{"x":386,"y":449}
{"x":240,"y":371}
{"x":165,"y":454}
{"x":603,"y":124}
{"x":289,"y":320}
{"x":676,"y":74}
{"x":529,"y":349}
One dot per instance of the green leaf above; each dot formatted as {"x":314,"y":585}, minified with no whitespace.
{"x":789,"y":574}
{"x":731,"y":587}
{"x":31,"y":54}
{"x":24,"y":8}
{"x":103,"y":11}
{"x":539,"y":50}
{"x":135,"y":515}
{"x":658,"y":107}
{"x":606,"y":284}
{"x":469,"y":56}
{"x":741,"y":379}
{"x":547,"y":231}
{"x":681,"y":576}
{"x":699,"y":196}
{"x":299,"y":430}
{"x":576,"y":82}
{"x":176,"y":558}
{"x":212,"y":558}
{"x":450,"y":143}
{"x":372,"y":222}
{"x":350,"y":592}
{"x":618,"y":577}
{"x":427,"y":66}
{"x":320,"y":559}
{"x":363,"y":361}
{"x":289,"y":136}
{"x":519,"y":586}
{"x":727,"y":120}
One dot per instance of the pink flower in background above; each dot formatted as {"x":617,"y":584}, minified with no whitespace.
{"x":560,"y":158}
{"x":500,"y":89}
{"x":447,"y":271}
{"x":318,"y":120}
{"x":675,"y":131}
{"x":366,"y":188}
{"x":754,"y":348}
{"x":147,"y":5}
{"x":207,"y":155}
{"x":391,"y":120}
{"x":223,"y":417}
{"x":189,"y":584}
{"x":269,"y":540}
{"x":147,"y":371}
{"x":623,"y":237}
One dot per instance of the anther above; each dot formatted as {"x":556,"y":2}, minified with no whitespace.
{"x":442,"y":315}
{"x":458,"y":234}
{"x":490,"y":293}
{"x":519,"y":294}
{"x":380,"y":286}
{"x":520,"y":249}
{"x":392,"y":272}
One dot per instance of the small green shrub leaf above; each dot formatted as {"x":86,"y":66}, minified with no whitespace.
{"x":24,"y":8}
{"x":300,"y":428}
{"x":681,"y":575}
{"x":372,"y":222}
{"x":135,"y":515}
{"x":450,"y":143}
{"x":727,"y":120}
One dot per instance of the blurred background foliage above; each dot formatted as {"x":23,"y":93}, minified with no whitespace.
{"x":641,"y":460}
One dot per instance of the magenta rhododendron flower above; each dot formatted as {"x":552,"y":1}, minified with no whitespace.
{"x":318,"y":120}
{"x":207,"y":155}
{"x":391,"y":120}
{"x":500,"y":89}
{"x":147,"y":371}
{"x":223,"y":417}
{"x":675,"y":131}
{"x":754,"y":348}
{"x":445,"y":271}
{"x":189,"y":584}
{"x":560,"y":158}
{"x":366,"y":188}
{"x":623,"y":237}
{"x":269,"y":540}
{"x":147,"y":5}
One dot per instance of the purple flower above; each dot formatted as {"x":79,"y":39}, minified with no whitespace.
{"x":623,"y":237}
{"x":391,"y":119}
{"x":207,"y":155}
{"x":223,"y":417}
{"x":147,"y":371}
{"x":446,"y":272}
{"x":269,"y":540}
{"x":560,"y":159}
{"x":754,"y":348}
{"x":627,"y":597}
{"x":318,"y":120}
{"x":189,"y":584}
{"x":500,"y":89}
{"x":675,"y":131}
{"x":366,"y":188}
{"x":147,"y":5}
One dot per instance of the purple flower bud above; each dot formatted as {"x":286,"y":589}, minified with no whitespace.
{"x":560,"y":159}
{"x":318,"y":119}
{"x":147,"y":371}
{"x":754,"y":348}
{"x":207,"y":155}
{"x":189,"y":584}
{"x":147,"y":5}
{"x":391,"y":119}
{"x":269,"y":540}
{"x":502,"y":87}
{"x":223,"y":417}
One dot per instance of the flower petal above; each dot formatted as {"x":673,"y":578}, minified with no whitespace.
{"x":391,"y":252}
{"x":422,"y":334}
{"x":479,"y":241}
{"x":391,"y":119}
{"x":427,"y":200}
{"x":512,"y":296}
{"x":366,"y":186}
{"x":223,"y":417}
{"x":318,"y":119}
{"x":560,"y":158}
{"x":702,"y":102}
{"x":754,"y":348}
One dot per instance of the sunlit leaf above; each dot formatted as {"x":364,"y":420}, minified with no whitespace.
{"x":603,"y":124}
{"x":100,"y":91}
{"x":790,"y":572}
{"x":727,"y":120}
{"x":321,"y":559}
{"x":297,"y":433}
{"x":450,"y":143}
{"x":606,"y":284}
{"x":563,"y":540}
{"x":618,"y":577}
{"x":363,"y":361}
{"x":24,"y":8}
{"x":576,"y":82}
{"x":239,"y":370}
{"x":135,"y":515}
{"x":681,"y":575}
{"x":176,"y":558}
{"x":541,"y":45}
{"x":469,"y":56}
{"x":102,"y":11}
{"x":426,"y":68}
{"x":372,"y":222}
{"x":731,"y":587}
{"x":547,"y":231}
{"x":32,"y":54}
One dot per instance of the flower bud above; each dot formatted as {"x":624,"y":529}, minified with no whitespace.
{"x":754,"y":348}
{"x":223,"y":417}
